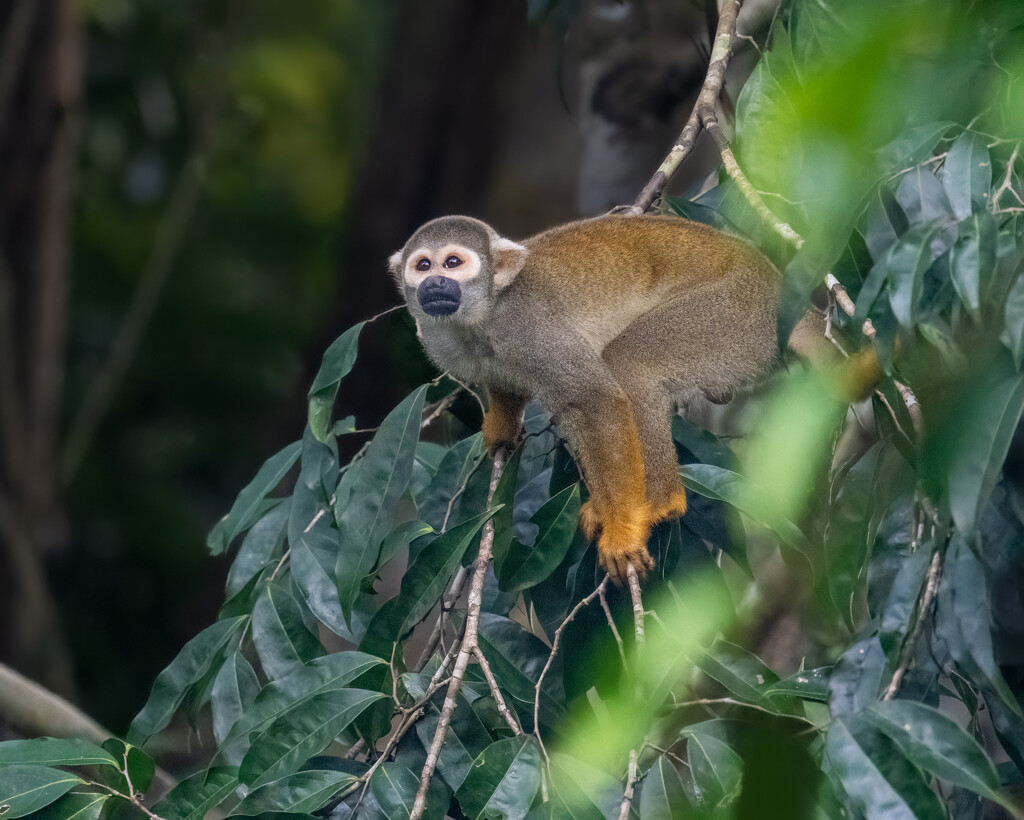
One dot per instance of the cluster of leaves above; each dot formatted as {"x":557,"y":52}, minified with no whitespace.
{"x":909,"y":541}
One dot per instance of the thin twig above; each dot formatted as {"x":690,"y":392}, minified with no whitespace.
{"x":469,"y":643}
{"x":641,"y":637}
{"x":454,"y":591}
{"x":433,"y":411}
{"x":492,"y":684}
{"x":632,"y":773}
{"x":603,"y":596}
{"x":638,"y":604}
{"x":708,"y":96}
{"x":555,"y":644}
{"x":920,"y":616}
{"x":1007,"y":183}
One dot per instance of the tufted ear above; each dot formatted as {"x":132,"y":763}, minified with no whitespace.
{"x":394,"y":261}
{"x":507,"y":259}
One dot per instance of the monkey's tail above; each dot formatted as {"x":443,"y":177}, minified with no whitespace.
{"x":853,"y":377}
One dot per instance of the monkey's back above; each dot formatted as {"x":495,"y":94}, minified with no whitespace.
{"x":604,"y":273}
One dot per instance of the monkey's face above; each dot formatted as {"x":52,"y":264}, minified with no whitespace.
{"x":446,"y":281}
{"x":452,"y":269}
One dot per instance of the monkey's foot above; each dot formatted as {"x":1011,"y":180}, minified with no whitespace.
{"x":623,"y":542}
{"x":671,"y":507}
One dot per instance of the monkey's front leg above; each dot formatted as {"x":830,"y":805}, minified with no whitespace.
{"x":607,"y":444}
{"x":503,"y":419}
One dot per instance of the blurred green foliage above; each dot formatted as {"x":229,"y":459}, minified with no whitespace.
{"x":270,"y":107}
{"x":901,"y":544}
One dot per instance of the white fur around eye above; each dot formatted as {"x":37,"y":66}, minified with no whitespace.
{"x":469,"y":268}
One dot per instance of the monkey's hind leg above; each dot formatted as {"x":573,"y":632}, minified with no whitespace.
{"x":603,"y":433}
{"x":648,"y":396}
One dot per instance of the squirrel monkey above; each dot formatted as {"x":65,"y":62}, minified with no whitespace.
{"x":603,"y":321}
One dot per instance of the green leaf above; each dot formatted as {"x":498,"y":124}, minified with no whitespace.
{"x":193,"y":797}
{"x":25,"y":789}
{"x":313,"y":559}
{"x":730,"y":487}
{"x":171,"y":686}
{"x":962,"y":619}
{"x":557,"y":519}
{"x":739,"y":671}
{"x":137,"y":768}
{"x":279,"y":633}
{"x":967,"y":174}
{"x":1013,"y":336}
{"x":503,"y":781}
{"x":335,"y":671}
{"x":717,"y":770}
{"x":457,"y":465}
{"x":809,"y":685}
{"x":973,"y":259}
{"x":583,"y":792}
{"x":301,"y":792}
{"x":880,"y":781}
{"x":261,"y":545}
{"x":234,"y":690}
{"x":337,"y":363}
{"x":394,"y":786}
{"x":662,"y":796}
{"x":935,"y":744}
{"x":249,"y":506}
{"x":857,"y":677}
{"x":902,"y":599}
{"x":49,"y":751}
{"x":384,"y":473}
{"x":983,"y":440}
{"x":505,"y":495}
{"x":906,"y":264}
{"x":75,"y":806}
{"x":306,"y":730}
{"x":423,"y":585}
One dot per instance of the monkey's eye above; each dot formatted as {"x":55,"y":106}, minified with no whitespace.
{"x":452,"y":261}
{"x":423,"y":264}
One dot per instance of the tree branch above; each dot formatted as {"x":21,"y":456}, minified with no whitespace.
{"x":469,"y":643}
{"x":924,"y":604}
{"x":725,"y":35}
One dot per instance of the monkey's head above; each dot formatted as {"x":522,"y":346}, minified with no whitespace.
{"x":452,"y":268}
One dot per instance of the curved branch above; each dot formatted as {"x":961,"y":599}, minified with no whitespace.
{"x":725,"y":36}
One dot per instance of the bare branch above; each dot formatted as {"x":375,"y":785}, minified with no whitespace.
{"x":725,"y":35}
{"x":638,"y":604}
{"x":469,"y":643}
{"x":503,"y":709}
{"x":924,"y":604}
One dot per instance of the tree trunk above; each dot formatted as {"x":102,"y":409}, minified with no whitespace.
{"x":40,"y":75}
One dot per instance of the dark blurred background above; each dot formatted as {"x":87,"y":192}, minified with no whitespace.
{"x":197,"y":197}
